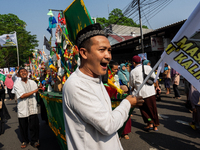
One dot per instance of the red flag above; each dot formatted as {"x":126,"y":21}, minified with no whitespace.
{"x":29,"y":60}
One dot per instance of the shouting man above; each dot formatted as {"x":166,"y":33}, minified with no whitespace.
{"x":90,"y":123}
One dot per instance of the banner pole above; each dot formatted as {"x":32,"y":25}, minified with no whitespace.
{"x":145,"y":80}
{"x":43,"y":54}
{"x":17,"y":50}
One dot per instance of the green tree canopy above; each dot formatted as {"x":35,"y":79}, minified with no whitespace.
{"x":26,"y":42}
{"x":116,"y":17}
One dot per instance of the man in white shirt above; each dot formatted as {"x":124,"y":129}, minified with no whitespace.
{"x":148,"y":109}
{"x":90,"y":123}
{"x":25,"y":91}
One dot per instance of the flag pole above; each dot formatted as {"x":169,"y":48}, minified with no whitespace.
{"x":17,"y":50}
{"x":43,"y":50}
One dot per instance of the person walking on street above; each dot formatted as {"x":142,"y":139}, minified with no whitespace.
{"x":149,"y":108}
{"x":9,"y":84}
{"x":175,"y":80}
{"x":25,"y":90}
{"x":167,"y":78}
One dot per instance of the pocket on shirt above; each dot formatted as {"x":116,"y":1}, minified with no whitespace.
{"x":21,"y":106}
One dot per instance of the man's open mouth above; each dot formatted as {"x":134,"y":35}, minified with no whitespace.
{"x":103,"y":64}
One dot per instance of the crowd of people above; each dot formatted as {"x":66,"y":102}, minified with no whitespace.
{"x":90,"y":122}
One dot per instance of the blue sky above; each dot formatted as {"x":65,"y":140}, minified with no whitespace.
{"x":34,"y":12}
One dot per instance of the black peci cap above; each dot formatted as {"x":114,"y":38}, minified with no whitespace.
{"x":21,"y":69}
{"x":88,"y":32}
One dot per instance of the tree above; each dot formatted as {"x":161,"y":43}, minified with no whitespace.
{"x":116,"y":17}
{"x":26,"y":42}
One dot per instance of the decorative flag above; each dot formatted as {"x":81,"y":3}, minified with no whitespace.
{"x":2,"y":77}
{"x":46,"y":43}
{"x":183,"y":54}
{"x":50,"y":13}
{"x":8,"y":40}
{"x":66,"y":32}
{"x":12,"y":70}
{"x":61,"y":19}
{"x":49,"y":30}
{"x":52,"y":22}
{"x":77,"y":17}
{"x":58,"y":34}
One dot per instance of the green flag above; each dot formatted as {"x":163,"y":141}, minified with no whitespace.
{"x":2,"y":77}
{"x":77,"y":17}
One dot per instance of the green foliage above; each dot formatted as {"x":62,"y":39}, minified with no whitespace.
{"x":116,"y":17}
{"x":26,"y":42}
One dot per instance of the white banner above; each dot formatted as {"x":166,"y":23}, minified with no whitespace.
{"x":6,"y":71}
{"x":183,"y":54}
{"x":8,"y":40}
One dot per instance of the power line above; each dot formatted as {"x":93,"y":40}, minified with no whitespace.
{"x":149,"y":10}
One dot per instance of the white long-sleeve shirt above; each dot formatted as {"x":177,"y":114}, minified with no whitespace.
{"x":136,"y":79}
{"x":90,"y":123}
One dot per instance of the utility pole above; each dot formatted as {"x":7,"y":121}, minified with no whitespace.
{"x":108,"y":10}
{"x":141,"y":34}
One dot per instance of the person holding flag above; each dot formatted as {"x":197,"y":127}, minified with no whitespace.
{"x":149,"y":108}
{"x":90,"y":122}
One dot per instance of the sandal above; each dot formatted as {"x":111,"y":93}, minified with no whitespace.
{"x":36,"y":145}
{"x":155,"y":128}
{"x":148,"y":127}
{"x":24,"y":145}
{"x":126,"y":137}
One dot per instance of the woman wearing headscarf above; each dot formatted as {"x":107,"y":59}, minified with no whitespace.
{"x":124,"y":85}
{"x":123,"y":78}
{"x":9,"y":84}
{"x":147,"y":62}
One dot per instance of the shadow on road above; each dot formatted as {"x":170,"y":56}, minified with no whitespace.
{"x":162,"y":141}
{"x":6,"y":126}
{"x":173,"y":101}
{"x":1,"y":145}
{"x":18,"y":134}
{"x":180,"y":128}
{"x":174,"y":108}
{"x":15,"y":109}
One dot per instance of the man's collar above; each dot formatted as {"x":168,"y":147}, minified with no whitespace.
{"x":138,"y":65}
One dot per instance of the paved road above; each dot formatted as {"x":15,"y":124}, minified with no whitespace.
{"x":174,"y":132}
{"x":10,"y":140}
